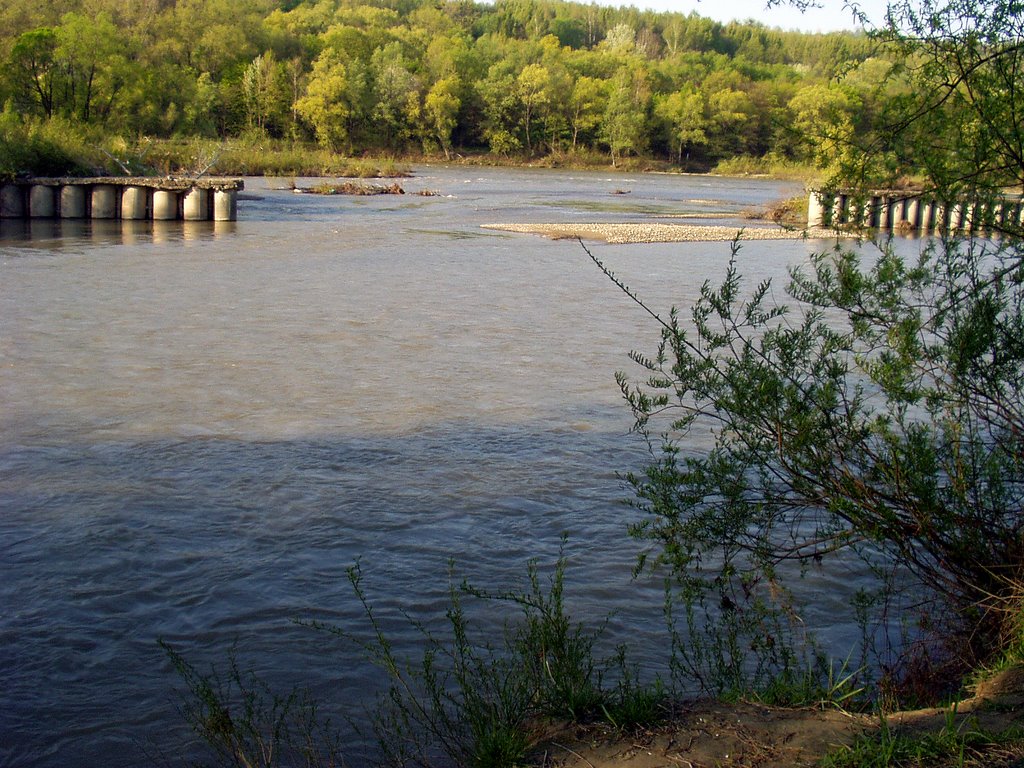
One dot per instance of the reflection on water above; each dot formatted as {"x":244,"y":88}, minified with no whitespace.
{"x":204,"y":424}
{"x":42,"y":233}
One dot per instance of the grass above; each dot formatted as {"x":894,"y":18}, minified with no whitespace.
{"x":482,"y":703}
{"x":769,"y":165}
{"x":474,"y":699}
{"x":261,"y":157}
{"x":959,"y":744}
{"x":244,"y":724}
{"x":353,"y":188}
{"x":59,"y":148}
{"x":51,"y":148}
{"x":789,"y":212}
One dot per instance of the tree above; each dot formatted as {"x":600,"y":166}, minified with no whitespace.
{"x":684,"y":114}
{"x":395,"y":90}
{"x":33,"y":59}
{"x":533,"y":85}
{"x":625,"y":117}
{"x":730,"y":113}
{"x":74,"y":70}
{"x":442,"y":109}
{"x":822,"y":120}
{"x":966,"y":62}
{"x":502,"y":108}
{"x":92,"y":53}
{"x":587,"y":104}
{"x":878,"y":413}
{"x":325,"y":106}
{"x":263,"y":93}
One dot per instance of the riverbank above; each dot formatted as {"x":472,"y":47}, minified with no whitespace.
{"x":984,"y":729}
{"x":57,"y":148}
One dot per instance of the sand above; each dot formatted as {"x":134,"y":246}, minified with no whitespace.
{"x":661,"y":233}
{"x":707,"y":734}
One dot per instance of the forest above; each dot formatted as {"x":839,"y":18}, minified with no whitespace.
{"x":519,"y":79}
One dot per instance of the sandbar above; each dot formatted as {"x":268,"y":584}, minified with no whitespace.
{"x":662,"y":233}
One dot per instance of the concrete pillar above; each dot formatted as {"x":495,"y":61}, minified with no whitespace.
{"x":913,"y":212}
{"x":12,"y":202}
{"x":939,"y":227}
{"x":998,"y":215}
{"x":900,"y":217}
{"x":893,"y":209}
{"x":165,"y":205}
{"x":885,"y":213}
{"x":815,"y":211}
{"x":875,"y":212}
{"x":839,"y":210}
{"x":104,"y":201}
{"x":41,"y":202}
{"x":225,"y":205}
{"x":196,"y":204}
{"x":980,"y":217}
{"x":134,"y":203}
{"x":830,"y":209}
{"x":927,"y":215}
{"x":861,"y":213}
{"x":72,"y":202}
{"x":970,"y":217}
{"x":956,"y":217}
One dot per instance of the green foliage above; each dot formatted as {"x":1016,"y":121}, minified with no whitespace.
{"x":877,"y":415}
{"x":634,"y":704}
{"x":556,"y":654}
{"x":260,"y":156}
{"x":515,"y":79}
{"x":473,"y":692}
{"x":770,"y":165}
{"x":244,"y":724}
{"x":463,"y":699}
{"x":939,"y":101}
{"x":475,"y":701}
{"x":956,"y":744}
{"x":625,"y":117}
{"x":821,"y":684}
{"x":52,"y":148}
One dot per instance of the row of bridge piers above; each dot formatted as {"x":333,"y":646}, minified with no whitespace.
{"x":121,"y":198}
{"x":912,"y":214}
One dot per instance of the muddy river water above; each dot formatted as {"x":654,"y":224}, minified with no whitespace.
{"x":203,"y":426}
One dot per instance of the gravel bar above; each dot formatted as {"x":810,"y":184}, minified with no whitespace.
{"x":661,"y":233}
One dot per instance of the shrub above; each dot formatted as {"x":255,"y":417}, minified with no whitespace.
{"x":46,"y":148}
{"x":475,"y":700}
{"x":244,"y":724}
{"x":878,"y":414}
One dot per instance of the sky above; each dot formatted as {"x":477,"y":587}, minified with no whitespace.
{"x":832,"y":16}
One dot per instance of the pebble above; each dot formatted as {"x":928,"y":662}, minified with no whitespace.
{"x":661,"y":233}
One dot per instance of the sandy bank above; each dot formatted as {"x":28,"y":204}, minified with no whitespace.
{"x":661,"y":233}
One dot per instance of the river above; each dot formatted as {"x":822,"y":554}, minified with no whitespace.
{"x":203,"y":426}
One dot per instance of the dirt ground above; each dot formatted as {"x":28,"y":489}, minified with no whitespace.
{"x":748,"y":735}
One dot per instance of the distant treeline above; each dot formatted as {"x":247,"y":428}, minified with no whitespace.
{"x":522,"y":78}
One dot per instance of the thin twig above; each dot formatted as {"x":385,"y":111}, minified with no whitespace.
{"x":622,"y":286}
{"x":575,"y":754}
